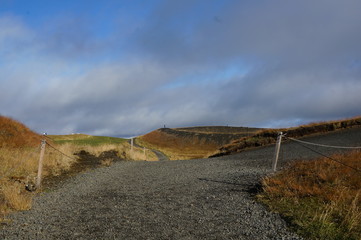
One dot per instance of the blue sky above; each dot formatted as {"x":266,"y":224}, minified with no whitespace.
{"x":127,"y":67}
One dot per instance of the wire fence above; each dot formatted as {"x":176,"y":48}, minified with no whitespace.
{"x":33,"y":154}
{"x":321,"y":145}
{"x":62,"y":153}
{"x":305,"y":143}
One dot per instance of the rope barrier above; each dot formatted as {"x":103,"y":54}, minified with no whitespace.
{"x":61,"y":152}
{"x":328,"y":157}
{"x":321,"y":145}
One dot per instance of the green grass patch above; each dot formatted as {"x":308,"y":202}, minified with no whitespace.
{"x":82,"y":139}
{"x":310,"y":217}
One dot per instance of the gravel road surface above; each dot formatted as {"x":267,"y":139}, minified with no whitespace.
{"x":191,"y":199}
{"x":161,"y":156}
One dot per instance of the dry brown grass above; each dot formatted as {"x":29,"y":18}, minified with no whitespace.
{"x":322,"y":197}
{"x":19,"y":167}
{"x":123,"y":149}
{"x":15,"y":197}
{"x":16,"y":134}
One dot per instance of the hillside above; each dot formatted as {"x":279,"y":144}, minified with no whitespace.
{"x":193,"y":142}
{"x":269,"y":136}
{"x":83,"y":139}
{"x":16,"y":134}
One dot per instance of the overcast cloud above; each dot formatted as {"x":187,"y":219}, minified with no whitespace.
{"x":179,"y":63}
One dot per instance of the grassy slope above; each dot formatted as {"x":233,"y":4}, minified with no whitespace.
{"x":269,"y":136}
{"x":83,"y":139}
{"x":194,"y":142}
{"x":16,"y":134}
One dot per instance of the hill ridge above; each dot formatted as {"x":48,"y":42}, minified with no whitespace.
{"x":15,"y":134}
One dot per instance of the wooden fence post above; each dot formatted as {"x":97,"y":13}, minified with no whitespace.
{"x":277,"y":151}
{"x":131,"y":147}
{"x":40,"y":167}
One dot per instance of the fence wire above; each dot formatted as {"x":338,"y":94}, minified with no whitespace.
{"x":61,"y":152}
{"x":321,"y":145}
{"x":301,"y":143}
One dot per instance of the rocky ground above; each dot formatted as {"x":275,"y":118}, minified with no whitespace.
{"x":192,"y":199}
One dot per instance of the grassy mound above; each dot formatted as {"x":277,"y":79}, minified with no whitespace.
{"x":269,"y":136}
{"x":15,"y":134}
{"x":193,"y":142}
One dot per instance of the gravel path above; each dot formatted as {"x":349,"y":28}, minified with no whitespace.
{"x":193,"y":199}
{"x":161,"y":156}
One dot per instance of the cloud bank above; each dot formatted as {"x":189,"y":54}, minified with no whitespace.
{"x":184,"y":63}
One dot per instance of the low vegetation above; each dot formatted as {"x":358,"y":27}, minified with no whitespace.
{"x":321,"y":199}
{"x":98,"y":144}
{"x":19,"y":168}
{"x":269,"y":136}
{"x":88,"y":140}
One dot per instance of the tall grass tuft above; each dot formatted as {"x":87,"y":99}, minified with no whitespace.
{"x":321,"y":198}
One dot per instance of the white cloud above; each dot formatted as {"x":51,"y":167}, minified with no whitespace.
{"x":258,"y":64}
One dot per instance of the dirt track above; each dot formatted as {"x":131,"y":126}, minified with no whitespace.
{"x":161,"y":156}
{"x":192,"y":199}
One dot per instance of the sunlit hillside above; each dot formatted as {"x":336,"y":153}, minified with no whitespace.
{"x":16,"y":134}
{"x":193,"y":142}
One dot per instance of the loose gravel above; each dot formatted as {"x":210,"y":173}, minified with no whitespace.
{"x":191,"y":199}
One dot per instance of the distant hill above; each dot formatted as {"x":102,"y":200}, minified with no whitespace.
{"x":193,"y":142}
{"x":16,"y":134}
{"x":269,"y":136}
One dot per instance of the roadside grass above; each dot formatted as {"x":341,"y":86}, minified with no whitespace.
{"x":321,"y":199}
{"x":98,"y":144}
{"x":19,"y":168}
{"x":176,"y":148}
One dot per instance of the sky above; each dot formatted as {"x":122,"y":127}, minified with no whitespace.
{"x":127,"y":67}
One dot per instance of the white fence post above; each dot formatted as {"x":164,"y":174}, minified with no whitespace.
{"x":40,"y":167}
{"x":277,"y":151}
